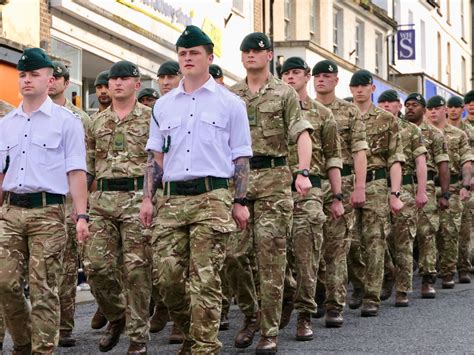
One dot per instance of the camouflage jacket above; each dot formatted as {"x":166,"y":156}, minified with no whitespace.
{"x":274,"y":116}
{"x":459,"y":150}
{"x":82,"y":115}
{"x":5,"y":107}
{"x":435,"y":144}
{"x":469,"y":129}
{"x":413,"y":145}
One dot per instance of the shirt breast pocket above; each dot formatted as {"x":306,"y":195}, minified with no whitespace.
{"x":271,"y":119}
{"x":47,"y":150}
{"x":378,"y":136}
{"x":211,"y":125}
{"x":170,"y":131}
{"x":8,"y":149}
{"x":102,"y":143}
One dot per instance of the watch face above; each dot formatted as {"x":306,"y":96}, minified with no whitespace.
{"x":306,"y":172}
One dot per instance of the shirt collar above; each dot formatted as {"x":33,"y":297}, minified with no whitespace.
{"x":46,"y":108}
{"x":209,"y":85}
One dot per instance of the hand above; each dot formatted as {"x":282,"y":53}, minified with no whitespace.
{"x":464,"y":194}
{"x":82,"y":230}
{"x":146,"y":212}
{"x":302,"y":184}
{"x":241,"y":215}
{"x":337,"y":209}
{"x":358,"y":197}
{"x":396,"y":204}
{"x":421,"y":199}
{"x":443,"y":203}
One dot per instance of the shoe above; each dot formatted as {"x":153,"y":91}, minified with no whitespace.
{"x":112,"y":335}
{"x":387,"y":288}
{"x":244,"y":337}
{"x":158,"y":320}
{"x":448,"y":281}
{"x":303,"y":328}
{"x":369,"y":310}
{"x":401,"y":299}
{"x":136,"y":348}
{"x":65,"y":339}
{"x":333,"y":318}
{"x":186,"y":348}
{"x":266,"y":345}
{"x":320,"y":312}
{"x":286,"y":310}
{"x":22,"y":350}
{"x":427,"y":289}
{"x":176,"y":336}
{"x":464,"y":277}
{"x":84,"y":287}
{"x":355,"y":301}
{"x":98,"y":320}
{"x":224,"y":324}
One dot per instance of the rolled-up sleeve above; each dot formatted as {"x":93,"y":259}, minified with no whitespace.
{"x":296,"y":123}
{"x":395,"y":146}
{"x":240,"y":141}
{"x":331,"y":144}
{"x":155,"y":139}
{"x":75,"y":149}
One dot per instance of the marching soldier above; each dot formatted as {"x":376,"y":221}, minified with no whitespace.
{"x":469,"y":106}
{"x":217,"y":73}
{"x":168,"y":76}
{"x":147,"y":96}
{"x":101,"y":85}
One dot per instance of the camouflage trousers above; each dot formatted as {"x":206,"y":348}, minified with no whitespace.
{"x":465,"y":236}
{"x":189,"y":244}
{"x":271,"y":209}
{"x":118,"y":249}
{"x":366,"y":255}
{"x":2,"y":325}
{"x":447,"y":239}
{"x":336,"y":244}
{"x":400,"y":240}
{"x":427,"y":226}
{"x":32,"y":242}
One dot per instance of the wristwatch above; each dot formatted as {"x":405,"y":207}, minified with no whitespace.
{"x":83,"y":216}
{"x":304,"y":172}
{"x":241,"y":201}
{"x":467,"y":187}
{"x":395,"y":193}
{"x":446,"y":195}
{"x":339,"y":197}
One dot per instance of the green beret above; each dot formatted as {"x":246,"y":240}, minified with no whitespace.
{"x":325,"y":66}
{"x":469,"y":97}
{"x":436,"y":101}
{"x":455,"y":101}
{"x":255,"y":40}
{"x":60,"y":70}
{"x":148,"y":92}
{"x":349,"y":99}
{"x":170,"y":67}
{"x":389,"y":95}
{"x":32,"y":59}
{"x":361,"y":77}
{"x":102,"y":78}
{"x":215,"y":71}
{"x":416,"y":97}
{"x":294,"y":63}
{"x":193,"y":36}
{"x":123,"y":69}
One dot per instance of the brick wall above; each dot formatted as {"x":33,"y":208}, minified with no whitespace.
{"x":45,"y":25}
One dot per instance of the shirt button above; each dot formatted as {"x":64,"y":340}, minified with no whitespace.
{"x":186,"y":170}
{"x":189,"y":132}
{"x":194,"y":98}
{"x":23,"y":152}
{"x":187,"y":150}
{"x":19,"y":185}
{"x":191,"y":115}
{"x":213,"y":123}
{"x":26,"y":135}
{"x":44,"y":145}
{"x":169,"y":127}
{"x":21,"y":169}
{"x":29,"y":119}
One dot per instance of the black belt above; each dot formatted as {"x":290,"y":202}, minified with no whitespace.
{"x":376,"y":174}
{"x":195,"y":186}
{"x":34,"y":200}
{"x":120,"y":184}
{"x":346,"y":170}
{"x":265,"y":162}
{"x":430,"y":177}
{"x":315,"y":182}
{"x":454,"y":179}
{"x":407,"y":180}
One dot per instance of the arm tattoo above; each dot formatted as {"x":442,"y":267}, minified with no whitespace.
{"x":153,"y":177}
{"x":241,"y":176}
{"x":90,"y":180}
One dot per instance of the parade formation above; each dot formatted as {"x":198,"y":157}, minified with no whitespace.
{"x":179,"y":201}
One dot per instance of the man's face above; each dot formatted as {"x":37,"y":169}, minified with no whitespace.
{"x":454,"y":113}
{"x":414,"y":111}
{"x":194,"y":62}
{"x":362,"y":93}
{"x":103,"y":95}
{"x":470,"y":108}
{"x":168,"y":82}
{"x":437,"y":114}
{"x":296,"y":78}
{"x":58,"y":87}
{"x":121,"y":88}
{"x":393,"y":107}
{"x":147,"y":100}
{"x":255,"y":59}
{"x":325,"y":83}
{"x":35,"y":83}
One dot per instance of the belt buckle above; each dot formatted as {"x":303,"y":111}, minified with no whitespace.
{"x":119,"y":185}
{"x":372,"y":175}
{"x":186,"y":188}
{"x":21,"y":200}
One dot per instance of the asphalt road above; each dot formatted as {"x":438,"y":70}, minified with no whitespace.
{"x":443,"y":325}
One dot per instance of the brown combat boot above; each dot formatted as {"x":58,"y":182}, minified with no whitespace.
{"x":112,"y":335}
{"x":176,"y":336}
{"x":448,"y":281}
{"x":369,"y":310}
{"x":266,"y":345}
{"x":22,"y":350}
{"x":65,"y":339}
{"x":244,"y":337}
{"x":286,"y":310}
{"x":159,"y":319}
{"x":303,"y":328}
{"x":98,"y":320}
{"x":136,"y":348}
{"x":355,"y":301}
{"x":464,"y":277}
{"x":427,"y":289}
{"x":401,"y":299}
{"x":387,"y":288}
{"x":333,"y":318}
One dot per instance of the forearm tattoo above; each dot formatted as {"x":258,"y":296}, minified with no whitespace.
{"x":241,"y":177}
{"x":153,"y":177}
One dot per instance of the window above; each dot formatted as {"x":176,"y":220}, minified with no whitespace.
{"x":463,"y":31}
{"x":448,"y":66}
{"x":359,"y":44}
{"x":312,"y":16}
{"x":378,"y":53}
{"x":463,"y":75}
{"x":337,"y":32}
{"x":440,"y":70}
{"x":287,"y":16}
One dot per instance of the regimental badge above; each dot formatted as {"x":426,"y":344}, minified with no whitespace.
{"x":154,"y":94}
{"x":135,"y":72}
{"x":441,"y":102}
{"x":218,"y":73}
{"x":119,"y":142}
{"x":261,"y":44}
{"x":59,"y":70}
{"x":330,"y":68}
{"x":186,"y":33}
{"x":24,"y":57}
{"x":418,"y":97}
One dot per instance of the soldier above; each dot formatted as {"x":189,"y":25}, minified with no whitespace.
{"x":275,"y":121}
{"x":199,"y":138}
{"x":168,"y":76}
{"x":460,"y":158}
{"x":336,"y":241}
{"x":115,"y":155}
{"x":42,"y":157}
{"x":308,"y":214}
{"x":455,"y":110}
{"x":390,"y":101}
{"x":147,"y":96}
{"x":469,"y":106}
{"x":101,"y":85}
{"x":217,"y":73}
{"x":385,"y":156}
{"x":68,"y":280}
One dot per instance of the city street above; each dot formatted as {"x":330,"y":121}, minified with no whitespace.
{"x":443,"y":325}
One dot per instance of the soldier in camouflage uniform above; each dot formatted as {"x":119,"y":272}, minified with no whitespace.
{"x":384,"y":158}
{"x":42,"y":156}
{"x":199,"y":138}
{"x":148,"y":97}
{"x":169,"y":76}
{"x":336,"y":241}
{"x":275,"y":121}
{"x":469,"y":107}
{"x":308,"y":215}
{"x":68,"y":282}
{"x":455,"y":109}
{"x":101,"y":85}
{"x":460,"y":158}
{"x":116,"y":158}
